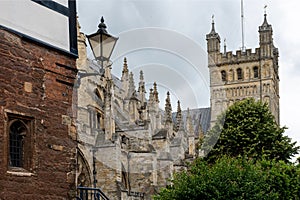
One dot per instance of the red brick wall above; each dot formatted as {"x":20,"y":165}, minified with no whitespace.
{"x":37,"y":82}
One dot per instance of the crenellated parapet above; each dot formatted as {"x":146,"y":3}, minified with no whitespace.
{"x":237,"y":57}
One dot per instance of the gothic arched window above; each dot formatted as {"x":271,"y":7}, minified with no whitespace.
{"x":239,"y":74}
{"x":255,"y":72}
{"x":224,"y":75}
{"x":98,"y":98}
{"x":17,"y":133}
{"x":19,"y":142}
{"x":98,"y":121}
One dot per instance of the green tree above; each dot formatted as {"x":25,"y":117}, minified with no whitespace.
{"x":247,"y":158}
{"x":235,"y":178}
{"x":248,"y":129}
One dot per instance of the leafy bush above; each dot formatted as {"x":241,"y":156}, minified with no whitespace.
{"x":235,"y":178}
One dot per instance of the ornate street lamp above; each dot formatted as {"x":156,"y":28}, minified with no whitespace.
{"x":102,"y":43}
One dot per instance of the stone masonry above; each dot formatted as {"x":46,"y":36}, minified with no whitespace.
{"x":245,"y":74}
{"x":128,"y":145}
{"x":36,"y":89}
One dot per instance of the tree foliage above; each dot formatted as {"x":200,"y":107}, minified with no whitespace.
{"x":248,"y":129}
{"x":247,"y":158}
{"x":235,"y":178}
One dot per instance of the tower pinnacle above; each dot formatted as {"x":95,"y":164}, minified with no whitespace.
{"x":265,"y":26}
{"x":125,"y":67}
{"x":213,"y":31}
{"x":131,"y":88}
{"x":141,"y":88}
{"x":155,"y":92}
{"x":213,"y":39}
{"x":178,"y":116}
{"x":225,"y":46}
{"x":168,"y":109}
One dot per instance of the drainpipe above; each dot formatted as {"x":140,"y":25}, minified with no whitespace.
{"x":94,"y":168}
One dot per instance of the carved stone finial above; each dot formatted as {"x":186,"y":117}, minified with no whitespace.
{"x":141,"y":75}
{"x":178,"y":117}
{"x":168,"y":109}
{"x":131,"y":88}
{"x":225,"y":46}
{"x":265,"y":8}
{"x":125,"y":67}
{"x":141,"y":88}
{"x":151,"y":97}
{"x":155,"y":92}
{"x":213,"y":25}
{"x":178,"y":106}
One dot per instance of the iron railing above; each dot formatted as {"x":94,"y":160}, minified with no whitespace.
{"x":87,"y":193}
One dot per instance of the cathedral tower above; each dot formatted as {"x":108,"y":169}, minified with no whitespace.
{"x":234,"y":77}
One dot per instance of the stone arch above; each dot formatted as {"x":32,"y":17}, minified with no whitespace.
{"x":215,"y":76}
{"x":268,"y":88}
{"x":18,"y":153}
{"x":239,"y":73}
{"x":255,"y":72}
{"x":267,"y":69}
{"x":264,"y":87}
{"x":228,"y":92}
{"x":98,"y":98}
{"x":231,"y":75}
{"x":266,"y":99}
{"x":242,"y":91}
{"x":255,"y":89}
{"x":247,"y":74}
{"x":223,"y":75}
{"x":225,"y":103}
{"x":83,"y":171}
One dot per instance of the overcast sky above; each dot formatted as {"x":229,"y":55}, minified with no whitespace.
{"x":166,"y":39}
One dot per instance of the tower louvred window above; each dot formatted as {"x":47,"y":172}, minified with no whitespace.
{"x":239,"y":74}
{"x":224,"y":75}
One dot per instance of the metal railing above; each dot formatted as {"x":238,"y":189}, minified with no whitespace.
{"x":87,"y":193}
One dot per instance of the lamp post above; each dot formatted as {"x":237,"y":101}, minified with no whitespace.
{"x":102,"y":45}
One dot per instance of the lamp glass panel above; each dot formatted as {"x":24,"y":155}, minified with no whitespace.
{"x":108,"y":45}
{"x":95,"y":45}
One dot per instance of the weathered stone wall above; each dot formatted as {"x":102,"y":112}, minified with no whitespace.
{"x":225,"y":93}
{"x":141,"y":168}
{"x":37,"y":82}
{"x":108,"y":165}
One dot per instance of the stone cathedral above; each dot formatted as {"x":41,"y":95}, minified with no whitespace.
{"x":234,"y":77}
{"x":129,"y":147}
